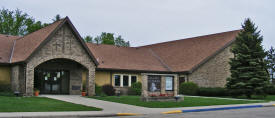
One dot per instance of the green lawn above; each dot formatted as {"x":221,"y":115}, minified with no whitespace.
{"x":38,"y":104}
{"x":188,"y":101}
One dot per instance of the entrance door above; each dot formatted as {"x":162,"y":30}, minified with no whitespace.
{"x":52,"y":81}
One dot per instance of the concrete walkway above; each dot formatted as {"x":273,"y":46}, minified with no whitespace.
{"x":109,"y":108}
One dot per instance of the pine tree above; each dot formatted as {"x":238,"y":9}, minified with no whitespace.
{"x":248,"y":67}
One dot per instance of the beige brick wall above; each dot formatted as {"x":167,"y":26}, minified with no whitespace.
{"x":5,"y":75}
{"x":214,"y":72}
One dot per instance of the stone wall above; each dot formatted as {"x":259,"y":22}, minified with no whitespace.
{"x":146,"y":94}
{"x":62,"y":45}
{"x":214,"y":72}
{"x":15,"y":78}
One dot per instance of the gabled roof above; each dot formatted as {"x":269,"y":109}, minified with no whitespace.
{"x":24,"y":47}
{"x":6,"y":47}
{"x":183,"y":55}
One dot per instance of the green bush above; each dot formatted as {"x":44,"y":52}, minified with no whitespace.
{"x":213,"y":92}
{"x":270,"y":90}
{"x":136,"y":88}
{"x":108,"y":90}
{"x":98,"y":90}
{"x":188,"y":88}
{"x":5,"y":88}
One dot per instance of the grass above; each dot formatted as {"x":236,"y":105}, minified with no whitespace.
{"x":9,"y":103}
{"x":188,"y":101}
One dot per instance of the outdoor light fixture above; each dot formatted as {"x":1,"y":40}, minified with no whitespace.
{"x":16,"y":93}
{"x":177,"y":97}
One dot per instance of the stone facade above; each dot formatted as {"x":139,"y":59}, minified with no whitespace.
{"x":63,"y":45}
{"x":146,"y":94}
{"x":214,"y":72}
{"x":17,"y":78}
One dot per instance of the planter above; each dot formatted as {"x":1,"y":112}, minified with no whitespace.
{"x":83,"y":93}
{"x":36,"y":93}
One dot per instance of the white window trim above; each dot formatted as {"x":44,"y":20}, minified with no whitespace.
{"x":121,"y":79}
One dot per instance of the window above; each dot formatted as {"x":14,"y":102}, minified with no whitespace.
{"x":133,"y":79}
{"x":154,"y":83}
{"x":125,"y":80}
{"x":169,"y":83}
{"x":117,"y":80}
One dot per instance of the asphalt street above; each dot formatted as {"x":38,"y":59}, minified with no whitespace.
{"x":265,"y":112}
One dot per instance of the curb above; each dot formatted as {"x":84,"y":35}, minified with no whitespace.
{"x":65,"y":116}
{"x":216,"y":109}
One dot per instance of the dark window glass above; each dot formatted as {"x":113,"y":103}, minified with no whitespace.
{"x":133,"y":79}
{"x":154,"y":82}
{"x":125,"y":80}
{"x":117,"y":80}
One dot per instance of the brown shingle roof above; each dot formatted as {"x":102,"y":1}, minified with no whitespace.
{"x":184,"y":55}
{"x":125,"y":58}
{"x":173,"y":56}
{"x":6,"y":47}
{"x":25,"y":46}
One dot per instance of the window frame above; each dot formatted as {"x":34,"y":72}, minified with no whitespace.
{"x":121,"y":79}
{"x":173,"y":83}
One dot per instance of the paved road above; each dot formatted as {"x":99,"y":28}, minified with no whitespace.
{"x":265,"y":112}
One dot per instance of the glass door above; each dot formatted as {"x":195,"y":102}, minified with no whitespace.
{"x":52,"y":81}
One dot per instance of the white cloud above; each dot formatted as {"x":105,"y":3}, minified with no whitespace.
{"x":145,"y":22}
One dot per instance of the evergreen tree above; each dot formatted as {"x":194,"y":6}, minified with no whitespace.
{"x":248,"y":67}
{"x":271,"y":63}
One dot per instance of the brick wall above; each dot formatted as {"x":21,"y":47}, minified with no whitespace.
{"x":214,"y":72}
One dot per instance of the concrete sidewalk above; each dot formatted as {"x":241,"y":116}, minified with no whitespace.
{"x":109,"y":108}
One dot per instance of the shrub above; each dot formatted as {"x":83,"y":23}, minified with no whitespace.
{"x":136,"y":88}
{"x":98,"y":90}
{"x":189,"y":88}
{"x":213,"y":92}
{"x":5,"y":88}
{"x":108,"y":89}
{"x":270,"y":90}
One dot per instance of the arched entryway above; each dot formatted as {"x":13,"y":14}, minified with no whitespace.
{"x":60,"y":76}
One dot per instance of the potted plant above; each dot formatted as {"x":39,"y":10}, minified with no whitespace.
{"x":83,"y":93}
{"x":36,"y":92}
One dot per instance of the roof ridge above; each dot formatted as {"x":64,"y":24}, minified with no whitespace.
{"x":188,"y":38}
{"x":160,"y":60}
{"x":12,"y":50}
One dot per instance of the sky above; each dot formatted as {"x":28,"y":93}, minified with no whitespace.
{"x":144,"y":22}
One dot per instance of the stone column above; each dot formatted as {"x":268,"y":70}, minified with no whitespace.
{"x":29,"y":80}
{"x":15,"y":78}
{"x":144,"y":79}
{"x":176,"y":85}
{"x":91,"y":82}
{"x":163,"y":85}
